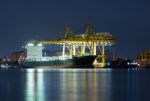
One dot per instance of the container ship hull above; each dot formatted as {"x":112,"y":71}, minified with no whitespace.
{"x":82,"y":60}
{"x":32,"y":64}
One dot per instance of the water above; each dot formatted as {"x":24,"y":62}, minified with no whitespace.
{"x":74,"y":84}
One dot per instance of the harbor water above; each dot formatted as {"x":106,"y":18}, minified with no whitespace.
{"x":74,"y":84}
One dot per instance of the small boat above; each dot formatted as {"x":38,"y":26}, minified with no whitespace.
{"x":122,"y":63}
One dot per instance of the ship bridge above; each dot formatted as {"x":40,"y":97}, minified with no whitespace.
{"x":88,"y":43}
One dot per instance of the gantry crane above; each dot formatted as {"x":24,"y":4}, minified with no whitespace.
{"x":84,"y":44}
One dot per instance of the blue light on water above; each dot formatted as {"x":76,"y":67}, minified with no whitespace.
{"x":34,"y":85}
{"x":38,"y":84}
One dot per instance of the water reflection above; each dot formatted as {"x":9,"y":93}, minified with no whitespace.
{"x":40,"y":86}
{"x":64,"y":85}
{"x":132,"y":86}
{"x":30,"y":84}
{"x":80,"y":85}
{"x":75,"y":85}
{"x":34,"y":85}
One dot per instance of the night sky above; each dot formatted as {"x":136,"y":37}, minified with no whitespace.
{"x":25,"y":20}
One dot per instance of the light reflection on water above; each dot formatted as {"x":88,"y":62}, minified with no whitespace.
{"x":30,"y":84}
{"x":66,"y":84}
{"x":74,"y":85}
{"x":34,"y":85}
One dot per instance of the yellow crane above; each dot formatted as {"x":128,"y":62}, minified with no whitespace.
{"x":78,"y":44}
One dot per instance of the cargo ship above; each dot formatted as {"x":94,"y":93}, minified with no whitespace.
{"x":34,"y":58}
{"x":77,"y":49}
{"x":75,"y":61}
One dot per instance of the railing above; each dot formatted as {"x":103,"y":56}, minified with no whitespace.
{"x":51,"y":58}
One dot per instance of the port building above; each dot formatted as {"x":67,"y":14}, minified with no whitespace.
{"x":143,"y":58}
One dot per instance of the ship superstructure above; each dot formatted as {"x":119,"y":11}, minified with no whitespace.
{"x":34,"y":52}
